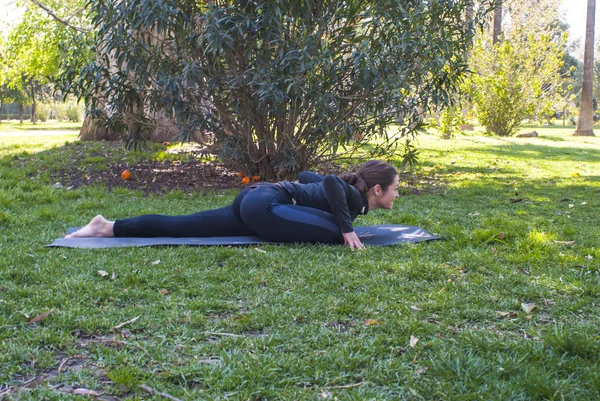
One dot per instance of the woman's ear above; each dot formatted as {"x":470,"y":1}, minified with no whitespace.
{"x":377,"y":190}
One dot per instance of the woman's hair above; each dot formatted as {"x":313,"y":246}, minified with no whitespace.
{"x":370,"y":174}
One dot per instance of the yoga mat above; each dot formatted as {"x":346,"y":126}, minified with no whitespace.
{"x":383,"y":235}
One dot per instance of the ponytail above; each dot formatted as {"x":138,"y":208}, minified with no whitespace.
{"x":370,"y":174}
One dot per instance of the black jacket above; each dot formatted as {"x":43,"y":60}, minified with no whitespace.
{"x":331,"y":194}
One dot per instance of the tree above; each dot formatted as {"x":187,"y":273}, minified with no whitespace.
{"x":39,"y":47}
{"x":585,"y":122}
{"x":521,"y":75}
{"x":282,"y":85}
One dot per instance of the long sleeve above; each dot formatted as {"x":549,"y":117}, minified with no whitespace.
{"x":336,"y":193}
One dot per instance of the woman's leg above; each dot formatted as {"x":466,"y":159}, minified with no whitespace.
{"x":222,"y":222}
{"x":267,"y":212}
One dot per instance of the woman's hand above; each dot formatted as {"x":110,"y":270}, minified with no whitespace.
{"x":352,"y":240}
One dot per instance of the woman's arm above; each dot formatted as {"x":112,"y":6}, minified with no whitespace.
{"x":337,"y":192}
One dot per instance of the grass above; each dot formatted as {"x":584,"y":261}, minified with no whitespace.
{"x":315,"y":322}
{"x":27,"y":126}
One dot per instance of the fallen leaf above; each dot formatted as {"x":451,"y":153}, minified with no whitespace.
{"x":113,"y":276}
{"x":502,"y":314}
{"x":415,"y":308}
{"x":40,"y":317}
{"x":589,"y":257}
{"x":413,"y":341}
{"x":583,"y":203}
{"x":164,"y":291}
{"x":473,"y":214}
{"x":528,"y":307}
{"x":373,"y":322}
{"x":102,"y":273}
{"x":569,"y":243}
{"x":85,"y":391}
{"x":157,"y":261}
{"x":260,"y":250}
{"x":421,"y":370}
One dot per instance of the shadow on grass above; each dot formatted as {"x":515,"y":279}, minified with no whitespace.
{"x":540,"y":152}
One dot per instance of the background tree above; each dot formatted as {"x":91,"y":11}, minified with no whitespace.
{"x":520,"y":76}
{"x":585,"y":122}
{"x":48,"y":40}
{"x":283,"y":85}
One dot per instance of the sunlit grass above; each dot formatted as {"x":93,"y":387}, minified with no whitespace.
{"x":315,"y":322}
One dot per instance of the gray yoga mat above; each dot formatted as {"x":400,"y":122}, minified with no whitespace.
{"x":383,"y":235}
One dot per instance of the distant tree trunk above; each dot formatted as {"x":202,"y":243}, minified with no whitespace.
{"x":497,"y":23}
{"x":33,"y":110}
{"x":21,"y":113}
{"x":585,"y":121}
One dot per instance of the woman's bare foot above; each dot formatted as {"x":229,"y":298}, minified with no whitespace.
{"x":98,"y":227}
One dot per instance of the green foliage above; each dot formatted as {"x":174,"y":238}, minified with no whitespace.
{"x":514,"y":79}
{"x":39,"y":49}
{"x":283,"y":85}
{"x":450,"y":120}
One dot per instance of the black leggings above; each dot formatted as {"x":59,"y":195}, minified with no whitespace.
{"x":262,"y":210}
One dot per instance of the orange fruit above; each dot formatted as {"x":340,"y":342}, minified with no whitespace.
{"x":246,"y":180}
{"x":126,"y":174}
{"x":256,"y":178}
{"x":239,"y":174}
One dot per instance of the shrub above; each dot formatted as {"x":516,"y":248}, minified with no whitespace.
{"x":282,"y":84}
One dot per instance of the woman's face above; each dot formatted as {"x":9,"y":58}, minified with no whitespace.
{"x":385,"y":199}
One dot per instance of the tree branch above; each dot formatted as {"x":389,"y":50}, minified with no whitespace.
{"x":57,"y":18}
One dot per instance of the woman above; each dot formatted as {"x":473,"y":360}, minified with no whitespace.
{"x":316,"y":210}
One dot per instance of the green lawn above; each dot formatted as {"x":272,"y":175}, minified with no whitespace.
{"x":27,"y":126}
{"x":316,"y":322}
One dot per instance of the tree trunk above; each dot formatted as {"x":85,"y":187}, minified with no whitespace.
{"x":21,"y":113}
{"x":92,"y":130}
{"x":585,"y":122}
{"x":33,"y":110}
{"x":497,"y":23}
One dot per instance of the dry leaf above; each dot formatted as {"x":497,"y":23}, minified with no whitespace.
{"x":102,"y":273}
{"x":164,"y":291}
{"x":157,"y":261}
{"x":502,"y":314}
{"x":589,"y":257}
{"x":528,"y":307}
{"x":421,"y":370}
{"x":373,"y":322}
{"x":571,"y":206}
{"x":569,"y":243}
{"x":260,"y":250}
{"x":473,"y":214}
{"x":85,"y":391}
{"x":415,"y":308}
{"x":40,"y":317}
{"x":413,"y":341}
{"x":113,"y":276}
